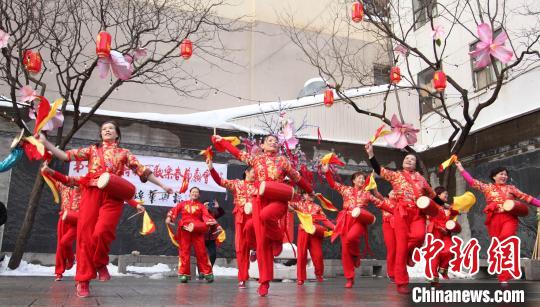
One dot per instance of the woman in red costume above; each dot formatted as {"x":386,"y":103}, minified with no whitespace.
{"x":500,"y":224}
{"x":70,"y":198}
{"x":99,"y":213}
{"x":387,"y":209}
{"x":437,"y":227}
{"x":243,"y":192}
{"x":273,"y":167}
{"x":409,"y":223}
{"x":349,"y":228}
{"x":311,"y":242}
{"x":193,"y":225}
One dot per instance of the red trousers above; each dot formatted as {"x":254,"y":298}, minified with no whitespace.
{"x":313,"y":243}
{"x":502,"y":226}
{"x":195,"y":239}
{"x":445,"y":255}
{"x":350,"y":244}
{"x":390,"y":242}
{"x":244,"y":238}
{"x":66,"y":235}
{"x":266,"y":216}
{"x":410,"y":232}
{"x":96,"y":229}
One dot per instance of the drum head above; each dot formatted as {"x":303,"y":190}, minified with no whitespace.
{"x":17,"y":140}
{"x":508,"y":205}
{"x":355,"y":212}
{"x":248,"y":208}
{"x":450,"y":224}
{"x":261,"y":188}
{"x":103,"y":180}
{"x":423,"y":202}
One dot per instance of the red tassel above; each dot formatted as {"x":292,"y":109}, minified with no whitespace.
{"x":319,"y":136}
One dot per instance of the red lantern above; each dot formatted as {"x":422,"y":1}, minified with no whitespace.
{"x":328,"y":97}
{"x":357,"y":11}
{"x":186,"y":48}
{"x":439,"y":81}
{"x":32,"y":61}
{"x":395,"y":75}
{"x":103,"y":44}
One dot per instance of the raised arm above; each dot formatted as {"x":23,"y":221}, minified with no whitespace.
{"x":475,"y":184}
{"x":227,"y":184}
{"x":525,"y":197}
{"x":295,"y":175}
{"x":58,"y":153}
{"x":144,"y":173}
{"x":243,"y":156}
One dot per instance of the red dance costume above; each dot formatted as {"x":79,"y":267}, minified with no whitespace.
{"x":192,"y":212}
{"x":70,"y":197}
{"x":351,"y":229}
{"x":311,"y":242}
{"x":244,"y":238}
{"x":409,"y":224}
{"x":99,"y":213}
{"x":266,"y":212}
{"x":437,"y":227}
{"x":500,"y":224}
{"x":389,"y":235}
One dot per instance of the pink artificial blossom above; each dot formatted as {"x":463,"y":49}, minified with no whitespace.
{"x":402,"y":50}
{"x":27,"y":94}
{"x":437,"y":32}
{"x":118,"y":63}
{"x":4,"y":38}
{"x":402,"y":134}
{"x":286,"y":135}
{"x":139,"y":53}
{"x":487,"y":47}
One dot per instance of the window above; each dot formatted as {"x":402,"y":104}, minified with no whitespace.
{"x":378,"y":8}
{"x":425,"y":82}
{"x":423,"y":9}
{"x":381,"y":74}
{"x":484,"y":77}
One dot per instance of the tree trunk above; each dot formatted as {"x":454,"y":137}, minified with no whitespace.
{"x":28,"y":223}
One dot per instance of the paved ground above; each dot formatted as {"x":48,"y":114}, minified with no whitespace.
{"x":133,"y":291}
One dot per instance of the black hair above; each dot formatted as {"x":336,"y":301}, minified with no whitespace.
{"x":356,"y":174}
{"x":194,"y":188}
{"x":247,"y":169}
{"x":439,"y":190}
{"x":494,"y":171}
{"x":268,"y":136}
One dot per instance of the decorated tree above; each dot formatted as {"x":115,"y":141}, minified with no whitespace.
{"x":505,"y":44}
{"x":67,"y":45}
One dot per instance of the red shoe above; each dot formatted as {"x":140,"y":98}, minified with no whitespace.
{"x":263,"y":289}
{"x":320,"y":279}
{"x":242,"y":285}
{"x":58,"y":277}
{"x":403,"y":289}
{"x":253,"y":256}
{"x":300,"y":282}
{"x":103,"y":274}
{"x":277,"y":248}
{"x":83,"y":289}
{"x":350,"y":283}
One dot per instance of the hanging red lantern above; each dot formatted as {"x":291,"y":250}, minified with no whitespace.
{"x":439,"y":81}
{"x":328,"y":97}
{"x":103,"y":44}
{"x":32,"y":61}
{"x":395,"y":75}
{"x":186,"y":48}
{"x":357,"y":11}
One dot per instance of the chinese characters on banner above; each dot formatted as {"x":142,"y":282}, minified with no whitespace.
{"x":170,"y":172}
{"x":503,"y":256}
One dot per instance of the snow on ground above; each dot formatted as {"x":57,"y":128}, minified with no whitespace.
{"x":157,"y":271}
